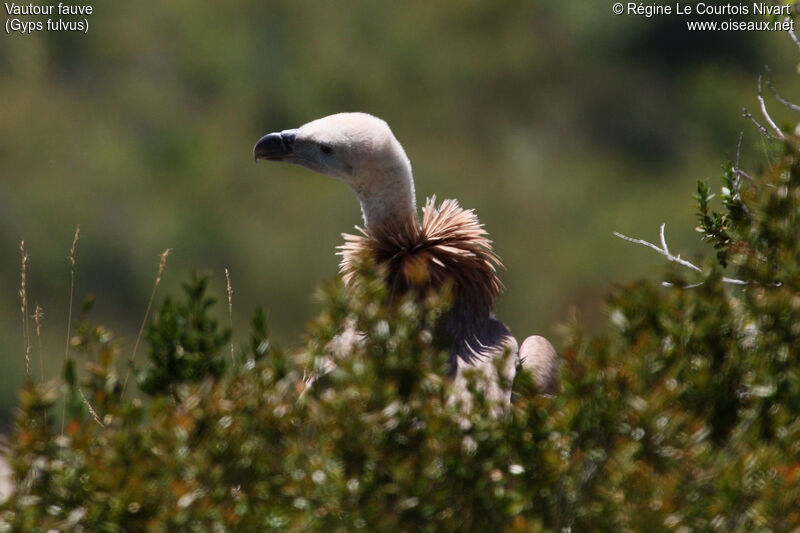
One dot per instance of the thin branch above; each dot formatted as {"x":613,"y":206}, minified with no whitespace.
{"x":161,"y":264}
{"x":778,"y":97}
{"x":738,"y":156}
{"x":690,"y":286}
{"x":664,"y":240}
{"x":663,"y":250}
{"x":746,"y":114}
{"x":764,"y":112}
{"x":738,"y":173}
{"x":793,"y":35}
{"x":746,"y":176}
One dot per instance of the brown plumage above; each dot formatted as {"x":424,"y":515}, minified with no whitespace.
{"x":449,"y":246}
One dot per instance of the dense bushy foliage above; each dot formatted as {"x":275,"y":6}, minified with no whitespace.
{"x":185,"y":343}
{"x":683,"y":416}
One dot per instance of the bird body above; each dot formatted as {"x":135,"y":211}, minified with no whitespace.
{"x":448,"y":246}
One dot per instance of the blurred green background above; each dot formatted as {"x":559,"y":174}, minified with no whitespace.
{"x":559,"y":122}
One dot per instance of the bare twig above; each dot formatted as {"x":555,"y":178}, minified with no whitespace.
{"x":161,"y":264}
{"x":664,"y":242}
{"x":747,"y":176}
{"x":766,"y":114}
{"x":778,"y":97}
{"x":663,"y":250}
{"x":739,"y":150}
{"x":23,"y":295}
{"x":738,"y":173}
{"x":230,"y":309}
{"x":793,"y":35}
{"x":69,"y":314}
{"x":746,"y":114}
{"x":737,"y":167}
{"x":738,"y":163}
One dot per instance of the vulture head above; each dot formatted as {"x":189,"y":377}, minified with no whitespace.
{"x":360,"y":150}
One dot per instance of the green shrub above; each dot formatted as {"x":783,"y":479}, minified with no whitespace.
{"x":185,"y":344}
{"x":683,"y":416}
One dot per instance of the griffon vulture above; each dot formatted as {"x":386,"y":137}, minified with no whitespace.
{"x":448,"y":244}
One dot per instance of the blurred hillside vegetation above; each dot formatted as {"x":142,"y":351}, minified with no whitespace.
{"x":559,"y":122}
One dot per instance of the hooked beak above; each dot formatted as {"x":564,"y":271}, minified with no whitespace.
{"x":275,"y":146}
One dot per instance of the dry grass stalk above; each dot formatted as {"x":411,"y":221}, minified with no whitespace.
{"x":23,"y":295}
{"x":161,"y":265}
{"x":69,"y":313}
{"x":38,"y":314}
{"x":91,"y":409}
{"x":230,"y":308}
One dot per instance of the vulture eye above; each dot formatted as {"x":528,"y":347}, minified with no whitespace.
{"x":325,"y":149}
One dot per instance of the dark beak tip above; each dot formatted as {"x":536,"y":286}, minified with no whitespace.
{"x":275,"y":146}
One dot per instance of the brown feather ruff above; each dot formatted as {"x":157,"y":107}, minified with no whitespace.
{"x":449,"y":246}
